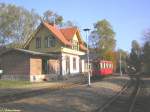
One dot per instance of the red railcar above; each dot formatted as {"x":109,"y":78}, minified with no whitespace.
{"x":102,"y":68}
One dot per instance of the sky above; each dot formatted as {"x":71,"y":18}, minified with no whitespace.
{"x":129,"y":18}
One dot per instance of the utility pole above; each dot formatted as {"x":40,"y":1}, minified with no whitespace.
{"x":89,"y":77}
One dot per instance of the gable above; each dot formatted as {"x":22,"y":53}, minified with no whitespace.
{"x":53,"y":30}
{"x":71,"y":33}
{"x":79,"y":37}
{"x":48,"y":42}
{"x":75,"y":38}
{"x":41,"y":34}
{"x":63,"y":36}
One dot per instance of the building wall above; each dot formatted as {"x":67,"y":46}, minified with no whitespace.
{"x":21,"y":66}
{"x":44,"y":32}
{"x":15,"y":63}
{"x":82,"y":66}
{"x":54,"y":70}
{"x":71,"y":51}
{"x":72,"y":71}
{"x":15,"y":66}
{"x":35,"y":66}
{"x":36,"y":69}
{"x":54,"y":66}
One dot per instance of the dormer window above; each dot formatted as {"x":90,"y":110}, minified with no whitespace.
{"x":75,"y":45}
{"x":38,"y":42}
{"x":50,"y":42}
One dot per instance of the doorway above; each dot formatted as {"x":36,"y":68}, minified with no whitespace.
{"x":45,"y":67}
{"x":67,"y":65}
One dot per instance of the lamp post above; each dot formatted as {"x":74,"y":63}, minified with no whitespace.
{"x":89,"y":77}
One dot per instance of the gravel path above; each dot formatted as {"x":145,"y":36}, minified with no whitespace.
{"x":77,"y":99}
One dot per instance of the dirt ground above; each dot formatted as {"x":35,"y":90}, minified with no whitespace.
{"x":77,"y":99}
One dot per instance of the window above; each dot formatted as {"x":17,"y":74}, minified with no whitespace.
{"x":67,"y":65}
{"x":38,"y":43}
{"x":104,"y":65}
{"x":50,"y":42}
{"x":101,"y":65}
{"x":75,"y":45}
{"x":46,"y":42}
{"x":74,"y":63}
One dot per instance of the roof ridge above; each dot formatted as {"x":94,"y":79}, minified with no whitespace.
{"x":68,"y":28}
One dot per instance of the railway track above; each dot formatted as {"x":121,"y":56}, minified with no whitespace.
{"x":142,"y":103}
{"x":125,"y":100}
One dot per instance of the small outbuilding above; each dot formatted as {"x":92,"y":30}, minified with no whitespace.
{"x":21,"y":64}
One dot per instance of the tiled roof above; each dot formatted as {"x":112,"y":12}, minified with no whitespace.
{"x":29,"y":52}
{"x":57,"y":33}
{"x":83,"y":47}
{"x":68,"y":32}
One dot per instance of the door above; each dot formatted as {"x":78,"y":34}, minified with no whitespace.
{"x":45,"y":67}
{"x":67,"y":65}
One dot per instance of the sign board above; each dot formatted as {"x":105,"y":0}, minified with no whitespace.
{"x":1,"y":71}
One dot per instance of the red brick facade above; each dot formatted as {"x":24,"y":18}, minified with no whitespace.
{"x":54,"y":66}
{"x":35,"y":66}
{"x":22,"y":65}
{"x":15,"y":63}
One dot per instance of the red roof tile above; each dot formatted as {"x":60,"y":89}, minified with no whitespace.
{"x":82,"y":47}
{"x":57,"y":33}
{"x":68,"y":32}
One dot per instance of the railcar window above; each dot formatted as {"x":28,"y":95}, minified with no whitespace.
{"x":101,"y":65}
{"x":109,"y":65}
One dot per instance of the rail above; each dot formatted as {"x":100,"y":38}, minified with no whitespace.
{"x":125,"y":99}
